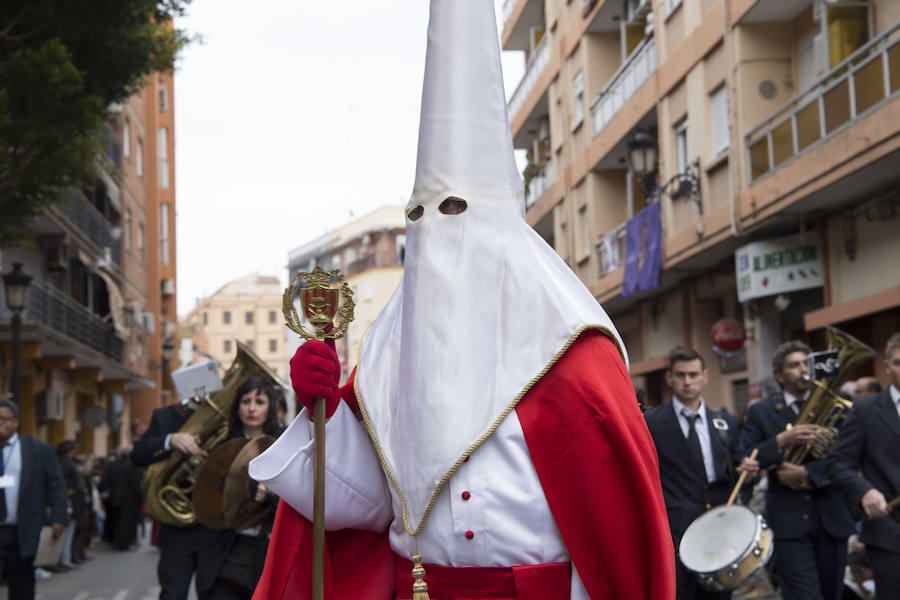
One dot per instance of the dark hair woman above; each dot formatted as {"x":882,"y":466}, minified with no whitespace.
{"x":232,"y":564}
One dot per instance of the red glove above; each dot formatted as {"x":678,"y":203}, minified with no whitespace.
{"x":315,"y":373}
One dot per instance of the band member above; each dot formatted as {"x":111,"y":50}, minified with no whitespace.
{"x":180,"y":548}
{"x":699,"y":451}
{"x":810,"y":525}
{"x":864,"y":466}
{"x":232,"y":564}
{"x":501,"y":439}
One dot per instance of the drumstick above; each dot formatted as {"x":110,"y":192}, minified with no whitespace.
{"x":740,"y":481}
{"x":893,"y":503}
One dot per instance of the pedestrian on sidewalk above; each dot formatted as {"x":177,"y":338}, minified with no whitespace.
{"x":30,"y":484}
{"x":65,"y":452}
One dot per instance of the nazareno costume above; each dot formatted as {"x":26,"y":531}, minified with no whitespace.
{"x":491,"y":426}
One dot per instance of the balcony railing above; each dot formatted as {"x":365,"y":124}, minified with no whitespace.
{"x":536,"y":65}
{"x":611,"y":250}
{"x":864,"y":81}
{"x":363,"y":263}
{"x":636,"y":69}
{"x":83,"y":216}
{"x":539,"y":184}
{"x":55,"y":309}
{"x":508,"y":6}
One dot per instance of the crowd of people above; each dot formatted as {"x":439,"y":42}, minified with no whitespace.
{"x":826,"y":512}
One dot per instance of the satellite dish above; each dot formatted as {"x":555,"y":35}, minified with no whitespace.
{"x":94,"y":416}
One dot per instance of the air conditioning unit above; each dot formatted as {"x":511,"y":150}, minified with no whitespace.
{"x":148,"y":326}
{"x":168,"y":287}
{"x":134,"y":314}
{"x":49,"y":405}
{"x":638,"y":9}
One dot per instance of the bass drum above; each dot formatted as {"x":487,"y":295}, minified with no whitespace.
{"x":726,"y":545}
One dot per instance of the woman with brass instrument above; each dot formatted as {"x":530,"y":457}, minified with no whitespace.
{"x":809,"y":518}
{"x":232,"y":564}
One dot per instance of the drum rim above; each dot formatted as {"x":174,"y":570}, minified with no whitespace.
{"x":757,"y":535}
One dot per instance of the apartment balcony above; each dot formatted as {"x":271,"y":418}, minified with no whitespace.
{"x":854,"y":89}
{"x":363,"y":263}
{"x":624,"y":83}
{"x":539,"y":184}
{"x":522,"y":21}
{"x":611,"y":251}
{"x":78,"y":213}
{"x":55,"y":309}
{"x":536,"y":65}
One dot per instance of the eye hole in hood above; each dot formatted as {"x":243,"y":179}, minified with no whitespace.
{"x":453,"y":206}
{"x":415,"y":212}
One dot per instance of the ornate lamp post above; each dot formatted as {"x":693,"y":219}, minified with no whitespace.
{"x":643,"y":158}
{"x":15,"y":289}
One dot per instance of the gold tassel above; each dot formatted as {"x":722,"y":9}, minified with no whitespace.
{"x":420,"y":588}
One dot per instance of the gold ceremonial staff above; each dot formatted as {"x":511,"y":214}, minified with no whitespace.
{"x":319,"y":303}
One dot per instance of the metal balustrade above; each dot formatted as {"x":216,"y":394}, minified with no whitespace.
{"x":82,"y":215}
{"x":611,"y":256}
{"x":624,"y":83}
{"x":57,"y":310}
{"x":536,"y":65}
{"x":539,"y":184}
{"x":861,"y":83}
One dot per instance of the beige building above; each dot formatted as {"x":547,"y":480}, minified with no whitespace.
{"x":369,"y":252}
{"x":247,"y":309}
{"x":771,"y":118}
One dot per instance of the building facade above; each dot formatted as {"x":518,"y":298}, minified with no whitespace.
{"x":247,"y":309}
{"x":774,"y":121}
{"x":101,"y":299}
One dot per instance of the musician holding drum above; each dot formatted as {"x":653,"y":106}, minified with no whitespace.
{"x":699,"y":451}
{"x":864,"y":465}
{"x":808,"y":516}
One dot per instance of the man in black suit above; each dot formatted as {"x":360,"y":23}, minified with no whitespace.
{"x":122,"y":481}
{"x":869,"y":441}
{"x":180,"y":548}
{"x":810,"y":524}
{"x":698,"y":448}
{"x":30,"y":482}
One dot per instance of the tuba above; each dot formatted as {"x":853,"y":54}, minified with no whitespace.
{"x":825,"y":407}
{"x":170,"y":483}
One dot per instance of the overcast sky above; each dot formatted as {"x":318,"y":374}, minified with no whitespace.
{"x":291,"y":119}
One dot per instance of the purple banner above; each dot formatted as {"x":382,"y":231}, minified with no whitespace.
{"x":643,"y":250}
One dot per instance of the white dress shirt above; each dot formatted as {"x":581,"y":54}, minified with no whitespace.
{"x":895,"y":396}
{"x":12,"y":465}
{"x":795,"y":403}
{"x":702,"y":427}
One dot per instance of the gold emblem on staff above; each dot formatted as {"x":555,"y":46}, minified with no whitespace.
{"x":319,"y":303}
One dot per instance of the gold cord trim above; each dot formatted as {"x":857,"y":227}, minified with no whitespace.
{"x":365,"y":415}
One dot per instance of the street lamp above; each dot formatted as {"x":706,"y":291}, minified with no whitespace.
{"x":643,"y":157}
{"x":15,"y":288}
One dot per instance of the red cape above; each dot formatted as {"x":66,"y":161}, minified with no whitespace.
{"x":597,"y":465}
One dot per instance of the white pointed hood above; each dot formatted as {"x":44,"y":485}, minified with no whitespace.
{"x":485,"y":305}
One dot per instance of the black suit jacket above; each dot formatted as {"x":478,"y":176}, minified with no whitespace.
{"x":686,"y":490}
{"x":151,"y":447}
{"x":41,"y":487}
{"x":869,"y":440}
{"x":123,"y":482}
{"x":790,"y":511}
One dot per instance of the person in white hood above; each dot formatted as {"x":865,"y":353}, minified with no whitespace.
{"x":491,"y":427}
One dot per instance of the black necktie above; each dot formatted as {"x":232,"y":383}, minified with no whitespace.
{"x":693,"y":439}
{"x":2,"y":490}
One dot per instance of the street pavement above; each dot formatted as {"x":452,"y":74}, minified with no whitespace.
{"x":111,"y":575}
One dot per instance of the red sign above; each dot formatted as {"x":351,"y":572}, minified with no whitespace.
{"x":728,"y":335}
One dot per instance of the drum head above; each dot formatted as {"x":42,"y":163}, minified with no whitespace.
{"x":718,"y":538}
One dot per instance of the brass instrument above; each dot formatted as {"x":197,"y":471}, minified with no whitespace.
{"x":170,"y":483}
{"x":825,"y":407}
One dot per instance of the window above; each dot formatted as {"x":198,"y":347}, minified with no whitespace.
{"x":272,"y":316}
{"x":681,"y":146}
{"x":273,"y":345}
{"x":718,"y":109}
{"x":349,"y":256}
{"x":585,"y":231}
{"x":126,"y":230}
{"x":248,"y":317}
{"x":578,"y":92}
{"x":139,"y":158}
{"x":126,"y":138}
{"x":250,"y":344}
{"x":367,"y":288}
{"x":205,"y":318}
{"x":163,"y":97}
{"x":162,"y":144}
{"x":140,"y":242}
{"x":164,"y":234}
{"x":672,"y":5}
{"x":226,"y":317}
{"x":226,"y":346}
{"x":336,"y":261}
